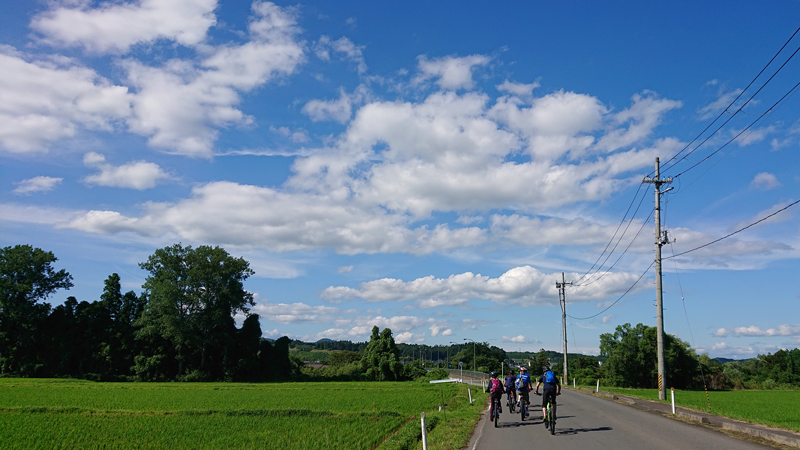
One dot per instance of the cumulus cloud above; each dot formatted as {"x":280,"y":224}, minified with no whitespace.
{"x":295,"y":313}
{"x":180,"y":105}
{"x":526,"y":286}
{"x":337,"y":110}
{"x":518,"y":89}
{"x":116,"y":26}
{"x":451,"y":72}
{"x":46,"y":99}
{"x":135,"y":175}
{"x":765,"y":181}
{"x":36,"y":184}
{"x":359,"y":328}
{"x":756,"y":331}
{"x":641,"y":118}
{"x":344,"y":269}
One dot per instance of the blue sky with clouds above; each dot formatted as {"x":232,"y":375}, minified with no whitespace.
{"x":432,"y":167}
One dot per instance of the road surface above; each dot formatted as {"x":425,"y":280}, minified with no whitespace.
{"x":587,"y":422}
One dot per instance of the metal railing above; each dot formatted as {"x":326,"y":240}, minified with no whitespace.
{"x":469,"y":377}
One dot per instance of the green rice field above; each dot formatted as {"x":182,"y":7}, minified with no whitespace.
{"x":67,"y":414}
{"x":775,"y":408}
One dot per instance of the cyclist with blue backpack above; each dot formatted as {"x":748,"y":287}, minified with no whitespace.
{"x":524,"y":386}
{"x":550,"y":388}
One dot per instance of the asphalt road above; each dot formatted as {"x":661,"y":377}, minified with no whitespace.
{"x":587,"y":422}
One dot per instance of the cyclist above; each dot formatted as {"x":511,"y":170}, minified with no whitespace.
{"x":495,"y":388}
{"x":550,"y":384}
{"x":511,"y":390}
{"x":524,"y":387}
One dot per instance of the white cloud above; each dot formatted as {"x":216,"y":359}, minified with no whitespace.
{"x":296,"y":313}
{"x":447,"y":332}
{"x":344,"y":269}
{"x":756,"y":331}
{"x":721,"y":102}
{"x":518,"y":89}
{"x":607,"y":318}
{"x":451,"y":72}
{"x":48,"y":99}
{"x":179,"y":106}
{"x":344,"y":47}
{"x":135,"y":175}
{"x":36,"y":184}
{"x":337,"y":110}
{"x":515,"y":340}
{"x":765,"y":181}
{"x":116,"y":26}
{"x":642,"y":117}
{"x":524,"y":286}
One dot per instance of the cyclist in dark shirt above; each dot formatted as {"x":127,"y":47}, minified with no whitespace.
{"x":511,"y":390}
{"x":549,"y":390}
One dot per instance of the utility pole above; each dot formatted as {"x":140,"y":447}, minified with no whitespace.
{"x":562,"y":298}
{"x":660,"y":240}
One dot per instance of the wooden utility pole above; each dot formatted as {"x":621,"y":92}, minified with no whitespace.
{"x":660,"y":240}
{"x":562,"y":298}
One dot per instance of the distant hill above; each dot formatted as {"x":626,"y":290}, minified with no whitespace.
{"x":726,"y":360}
{"x":324,"y":340}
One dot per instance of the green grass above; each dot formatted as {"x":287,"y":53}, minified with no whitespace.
{"x":774,"y":408}
{"x":58,"y":414}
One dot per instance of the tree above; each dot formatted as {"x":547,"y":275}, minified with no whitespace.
{"x":632,"y":359}
{"x":27,"y":278}
{"x":193,"y":295}
{"x":381,"y":360}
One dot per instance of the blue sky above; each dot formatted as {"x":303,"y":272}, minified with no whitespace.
{"x":432,"y":167}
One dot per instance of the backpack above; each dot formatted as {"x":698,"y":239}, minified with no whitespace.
{"x":550,"y":377}
{"x":522,"y":382}
{"x":495,"y":386}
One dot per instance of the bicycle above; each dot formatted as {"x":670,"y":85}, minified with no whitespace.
{"x":495,"y":410}
{"x":523,"y":409}
{"x":550,"y":418}
{"x":512,"y":402}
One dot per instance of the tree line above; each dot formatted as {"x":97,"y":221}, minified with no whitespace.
{"x":181,"y":327}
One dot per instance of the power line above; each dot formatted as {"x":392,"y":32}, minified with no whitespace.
{"x":737,"y":231}
{"x":633,"y":200}
{"x":741,"y":132}
{"x":620,"y":297}
{"x":732,"y":103}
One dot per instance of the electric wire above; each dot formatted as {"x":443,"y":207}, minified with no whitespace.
{"x":735,"y":232}
{"x":741,"y":132}
{"x":620,"y":297}
{"x":633,"y":200}
{"x":595,"y":280}
{"x":577,"y":283}
{"x":732,"y":103}
{"x":688,"y":324}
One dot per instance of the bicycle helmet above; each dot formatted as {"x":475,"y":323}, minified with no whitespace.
{"x":494,"y":374}
{"x":546,"y":368}
{"x":523,"y":369}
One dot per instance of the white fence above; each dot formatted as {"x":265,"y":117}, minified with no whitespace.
{"x":470,"y":377}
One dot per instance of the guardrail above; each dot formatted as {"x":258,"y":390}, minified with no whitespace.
{"x":470,"y":377}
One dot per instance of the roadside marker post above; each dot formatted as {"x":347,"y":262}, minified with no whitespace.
{"x":424,"y":433}
{"x":673,"y":400}
{"x":598,"y":386}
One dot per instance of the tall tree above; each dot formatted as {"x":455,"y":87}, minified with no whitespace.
{"x":27,"y":278}
{"x":193,"y":295}
{"x":381,"y":360}
{"x":632,"y":360}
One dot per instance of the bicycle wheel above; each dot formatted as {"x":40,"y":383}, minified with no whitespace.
{"x":496,"y":409}
{"x":522,"y":408}
{"x":552,"y":419}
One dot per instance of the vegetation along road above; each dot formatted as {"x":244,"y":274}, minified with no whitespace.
{"x":588,"y":422}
